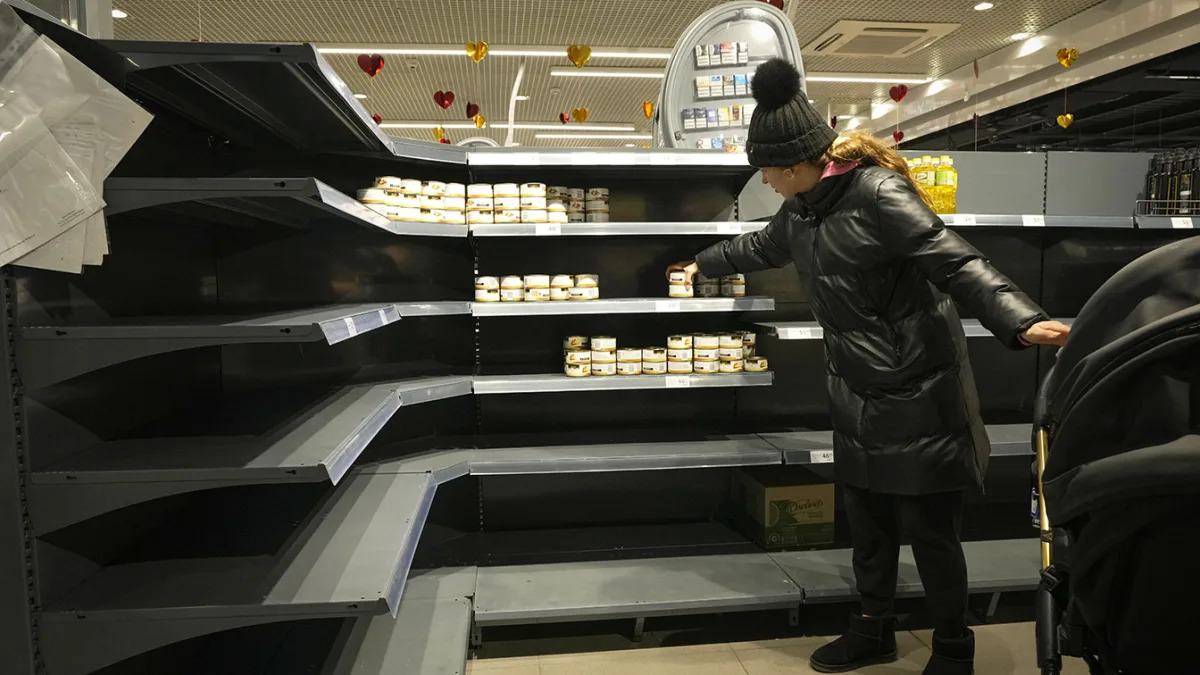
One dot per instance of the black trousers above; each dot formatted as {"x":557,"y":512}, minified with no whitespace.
{"x":931,"y":524}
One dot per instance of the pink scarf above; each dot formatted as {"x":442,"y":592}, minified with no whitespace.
{"x":838,"y":168}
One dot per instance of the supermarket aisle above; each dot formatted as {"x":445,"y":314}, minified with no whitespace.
{"x":1002,"y":649}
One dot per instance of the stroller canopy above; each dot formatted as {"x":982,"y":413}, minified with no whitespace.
{"x":1122,"y":401}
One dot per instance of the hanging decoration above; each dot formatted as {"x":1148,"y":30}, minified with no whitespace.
{"x":898,"y":135}
{"x":444,"y":99}
{"x":648,"y":109}
{"x":564,"y":117}
{"x":898,"y":92}
{"x":445,"y":140}
{"x":439,"y":133}
{"x":833,"y":122}
{"x":370,"y":64}
{"x":1067,"y":56}
{"x":377,"y":118}
{"x":1066,"y":120}
{"x":579,"y":55}
{"x":472,"y":110}
{"x":479,"y":121}
{"x":777,"y":4}
{"x":477,"y":50}
{"x":580,"y":114}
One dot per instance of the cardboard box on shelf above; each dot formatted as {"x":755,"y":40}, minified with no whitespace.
{"x":783,"y":507}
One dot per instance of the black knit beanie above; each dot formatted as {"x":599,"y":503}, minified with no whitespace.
{"x":785,"y":129}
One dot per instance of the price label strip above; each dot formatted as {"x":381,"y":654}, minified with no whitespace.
{"x":729,"y":228}
{"x":820,"y":457}
{"x":547,"y":229}
{"x":351,"y":327}
{"x":667,"y":306}
{"x":679,"y":381}
{"x":1182,"y":223}
{"x":1033,"y":221}
{"x":963,"y":219}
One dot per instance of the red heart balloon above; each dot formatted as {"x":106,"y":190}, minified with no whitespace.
{"x":371,"y":64}
{"x":377,"y":118}
{"x":898,"y":92}
{"x":447,"y":142}
{"x":444,"y":99}
{"x":564,"y":118}
{"x":833,"y":122}
{"x":898,"y":135}
{"x":472,"y":110}
{"x":777,"y":4}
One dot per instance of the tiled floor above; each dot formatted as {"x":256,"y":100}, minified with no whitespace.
{"x":1002,"y":649}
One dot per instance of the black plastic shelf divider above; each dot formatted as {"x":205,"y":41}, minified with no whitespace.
{"x":352,"y":559}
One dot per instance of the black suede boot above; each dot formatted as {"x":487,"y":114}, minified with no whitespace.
{"x":955,"y":656}
{"x":868,"y":641}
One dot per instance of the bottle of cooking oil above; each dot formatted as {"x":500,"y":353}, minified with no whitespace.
{"x":946,"y":179}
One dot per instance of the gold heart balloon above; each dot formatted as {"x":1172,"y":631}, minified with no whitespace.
{"x":439,"y":133}
{"x":1067,"y":56}
{"x":580,"y":114}
{"x":479,"y":121}
{"x":579,"y":55}
{"x":1065,"y":121}
{"x":647,"y":109}
{"x":477,"y":50}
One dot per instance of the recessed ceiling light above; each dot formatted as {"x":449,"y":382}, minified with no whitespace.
{"x":118,"y":14}
{"x":360,"y":96}
{"x":983,"y":6}
{"x":619,"y":137}
{"x":522,"y":98}
{"x":1019,"y":36}
{"x":630,"y":145}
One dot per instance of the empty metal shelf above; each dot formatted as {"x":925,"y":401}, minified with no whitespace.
{"x":616,"y":229}
{"x":526,"y":384}
{"x":624,"y":306}
{"x":615,"y":589}
{"x":351,"y":559}
{"x":992,"y":567}
{"x":816,"y":447}
{"x":1184,"y":223}
{"x":745,"y":450}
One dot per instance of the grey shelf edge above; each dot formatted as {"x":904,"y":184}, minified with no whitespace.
{"x":701,"y":159}
{"x":992,"y":567}
{"x":529,"y":384}
{"x":429,"y":636}
{"x":618,"y":229}
{"x":1036,"y":220}
{"x":1182,"y":223}
{"x":523,"y":594}
{"x":351,"y":559}
{"x":624,"y":306}
{"x":811,"y":330}
{"x":816,"y":447}
{"x":439,"y":308}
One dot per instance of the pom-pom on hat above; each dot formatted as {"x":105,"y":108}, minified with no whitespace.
{"x":785,"y":129}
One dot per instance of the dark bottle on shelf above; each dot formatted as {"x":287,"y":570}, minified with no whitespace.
{"x":1171,"y":192}
{"x":1151,"y":194}
{"x":1186,"y":180}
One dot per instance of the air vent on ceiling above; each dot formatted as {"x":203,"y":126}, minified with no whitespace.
{"x":878,"y":38}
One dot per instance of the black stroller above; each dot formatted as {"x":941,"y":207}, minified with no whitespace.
{"x":1117,"y":433}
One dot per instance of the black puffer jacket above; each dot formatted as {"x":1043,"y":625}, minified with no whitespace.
{"x":873,"y":259}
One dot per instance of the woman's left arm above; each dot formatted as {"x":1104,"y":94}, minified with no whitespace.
{"x":911,"y":230}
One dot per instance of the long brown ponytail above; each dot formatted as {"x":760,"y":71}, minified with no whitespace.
{"x":866,"y":149}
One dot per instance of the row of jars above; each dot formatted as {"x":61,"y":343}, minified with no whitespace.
{"x":537,"y":288}
{"x":683,"y":355}
{"x":729,"y":286}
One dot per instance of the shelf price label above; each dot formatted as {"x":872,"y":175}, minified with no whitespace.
{"x":1033,"y":221}
{"x":547,"y":229}
{"x":667,"y":306}
{"x":962,"y":219}
{"x":679,"y":381}
{"x":351,"y":327}
{"x":729,"y":228}
{"x":797,"y":334}
{"x":383,"y":317}
{"x":820,"y":457}
{"x":1181,"y":223}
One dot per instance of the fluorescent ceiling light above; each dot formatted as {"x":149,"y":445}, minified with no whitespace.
{"x":119,"y":14}
{"x":493,"y":50}
{"x":619,"y":137}
{"x":360,"y":96}
{"x":631,"y":145}
{"x":504,"y":124}
{"x":1019,"y":36}
{"x":984,"y":6}
{"x":651,"y":73}
{"x":522,"y":98}
{"x":869,"y":78}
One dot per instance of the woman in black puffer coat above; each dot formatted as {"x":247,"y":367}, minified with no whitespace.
{"x":882,"y":274}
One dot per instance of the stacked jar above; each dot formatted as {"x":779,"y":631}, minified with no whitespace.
{"x":654,"y":361}
{"x":479,"y":204}
{"x":577,"y":356}
{"x":706,"y":354}
{"x":587,"y":287}
{"x":537,"y":287}
{"x":678,"y":286}
{"x":506,"y":203}
{"x":575,"y":200}
{"x":454,"y":204}
{"x":734,"y":286}
{"x":432,"y":208}
{"x":731,"y":354}
{"x":556,"y":204}
{"x":512,"y":288}
{"x":533,"y":203}
{"x":487,"y":289}
{"x":679,"y":355}
{"x":604,"y":356}
{"x":595,"y":207}
{"x":706,"y":288}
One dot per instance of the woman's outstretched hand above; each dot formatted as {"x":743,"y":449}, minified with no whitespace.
{"x":1047,"y":333}
{"x":690,"y":268}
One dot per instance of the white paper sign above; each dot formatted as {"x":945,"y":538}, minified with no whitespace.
{"x":729,"y":228}
{"x":1181,"y":223}
{"x":667,"y":306}
{"x":1033,"y":221}
{"x":821,"y":457}
{"x":798,"y":334}
{"x":963,"y":219}
{"x":679,"y":381}
{"x":547,"y":229}
{"x":351,"y":329}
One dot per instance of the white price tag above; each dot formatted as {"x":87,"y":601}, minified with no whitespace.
{"x":661,"y":158}
{"x":667,"y":306}
{"x":963,"y":219}
{"x":383,"y":317}
{"x":820,"y":457}
{"x":729,"y":228}
{"x":351,"y":328}
{"x":1033,"y":221}
{"x":547,"y":229}
{"x":679,"y":381}
{"x":1181,"y":223}
{"x":521,"y":159}
{"x":797,"y":334}
{"x":585,"y":158}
